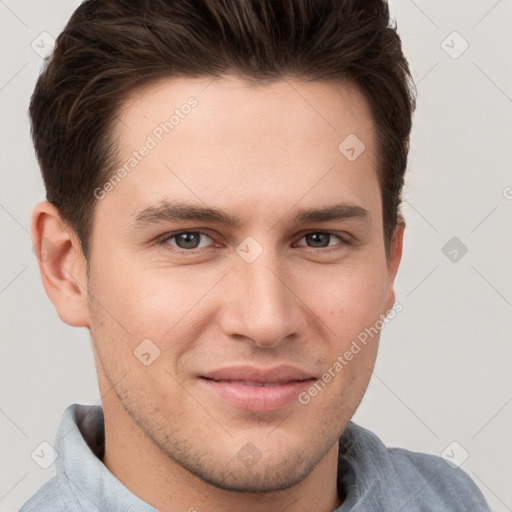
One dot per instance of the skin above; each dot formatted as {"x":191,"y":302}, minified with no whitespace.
{"x":259,"y":153}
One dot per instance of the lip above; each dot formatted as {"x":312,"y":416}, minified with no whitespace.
{"x":256,"y":389}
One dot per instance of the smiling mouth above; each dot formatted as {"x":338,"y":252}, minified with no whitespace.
{"x":256,"y":383}
{"x":253,"y":395}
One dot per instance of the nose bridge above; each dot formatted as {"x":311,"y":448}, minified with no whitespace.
{"x":262,"y":306}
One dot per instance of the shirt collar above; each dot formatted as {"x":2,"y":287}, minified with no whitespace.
{"x":84,"y":481}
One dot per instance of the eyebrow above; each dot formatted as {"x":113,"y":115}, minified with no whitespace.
{"x":166,"y":211}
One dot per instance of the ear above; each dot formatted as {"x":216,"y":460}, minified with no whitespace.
{"x":393,"y":260}
{"x":61,"y":263}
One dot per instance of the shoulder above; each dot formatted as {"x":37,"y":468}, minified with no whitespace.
{"x":46,"y":499}
{"x":438,"y":481}
{"x":413,"y":479}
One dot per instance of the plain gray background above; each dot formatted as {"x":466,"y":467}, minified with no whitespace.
{"x":442,"y":383}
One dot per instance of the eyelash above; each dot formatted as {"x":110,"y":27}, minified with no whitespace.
{"x":169,"y":236}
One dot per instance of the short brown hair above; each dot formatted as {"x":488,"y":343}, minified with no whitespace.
{"x":111,"y":47}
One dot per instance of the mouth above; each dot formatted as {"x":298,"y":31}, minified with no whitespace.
{"x":257,"y":390}
{"x":254,"y":383}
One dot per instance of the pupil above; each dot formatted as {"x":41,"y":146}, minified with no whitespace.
{"x":188,"y":239}
{"x":317,"y":238}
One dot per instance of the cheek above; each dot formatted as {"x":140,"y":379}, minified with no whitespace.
{"x":157,"y":302}
{"x":147,"y":302}
{"x":348,"y":299}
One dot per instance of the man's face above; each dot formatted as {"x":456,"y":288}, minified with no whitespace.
{"x":226,"y":303}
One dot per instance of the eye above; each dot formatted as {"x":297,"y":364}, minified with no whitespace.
{"x":321,"y":239}
{"x":189,"y":242}
{"x":185,"y":240}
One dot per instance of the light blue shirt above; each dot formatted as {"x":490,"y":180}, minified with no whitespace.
{"x":370,"y":476}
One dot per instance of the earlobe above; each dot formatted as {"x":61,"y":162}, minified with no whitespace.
{"x":61,"y":264}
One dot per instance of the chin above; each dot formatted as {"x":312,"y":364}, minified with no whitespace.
{"x":259,"y":477}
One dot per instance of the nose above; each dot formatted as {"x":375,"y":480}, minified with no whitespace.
{"x":261,"y":305}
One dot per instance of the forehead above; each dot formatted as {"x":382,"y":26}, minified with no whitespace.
{"x":229,"y":106}
{"x":253,"y":146}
